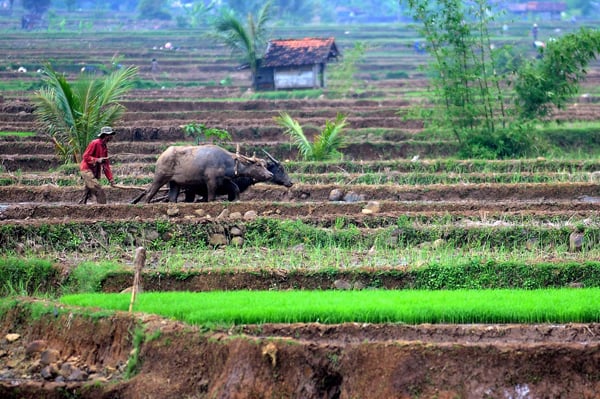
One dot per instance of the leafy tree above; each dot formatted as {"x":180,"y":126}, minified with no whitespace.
{"x":341,"y":75}
{"x":72,"y":114}
{"x":248,"y":42}
{"x":37,"y":7}
{"x":324,"y":146}
{"x":472,"y":78}
{"x":200,"y":132}
{"x":295,"y":11}
{"x":199,"y":13}
{"x":153,"y":9}
{"x":553,"y":79}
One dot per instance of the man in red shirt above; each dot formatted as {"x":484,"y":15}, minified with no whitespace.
{"x":95,"y":160}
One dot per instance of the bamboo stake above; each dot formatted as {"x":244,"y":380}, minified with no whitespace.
{"x":138,"y":263}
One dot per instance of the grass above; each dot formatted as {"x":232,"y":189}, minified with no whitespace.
{"x":17,"y":134}
{"x":412,"y":307}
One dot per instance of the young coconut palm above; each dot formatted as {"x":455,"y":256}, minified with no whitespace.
{"x":246,"y":41}
{"x":72,"y":114}
{"x":325,"y":146}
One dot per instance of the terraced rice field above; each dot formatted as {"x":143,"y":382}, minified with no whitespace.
{"x":406,"y":203}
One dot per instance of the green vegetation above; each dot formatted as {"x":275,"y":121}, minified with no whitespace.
{"x":72,"y":114}
{"x":17,"y":134}
{"x":287,"y":94}
{"x":472,"y":79}
{"x":341,"y":76}
{"x":200,"y":132}
{"x":325,"y":146}
{"x":413,"y":307}
{"x":26,"y":276}
{"x":88,"y":276}
{"x":246,"y":41}
{"x":553,"y":79}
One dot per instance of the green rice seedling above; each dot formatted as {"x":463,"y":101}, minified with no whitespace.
{"x":17,"y":134}
{"x":369,"y":306}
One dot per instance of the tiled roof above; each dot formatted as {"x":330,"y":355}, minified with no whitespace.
{"x":288,"y":52}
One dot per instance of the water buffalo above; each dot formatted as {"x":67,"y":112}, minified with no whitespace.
{"x":280,"y":177}
{"x":207,"y":166}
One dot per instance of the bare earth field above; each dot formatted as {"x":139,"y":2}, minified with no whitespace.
{"x":69,"y":354}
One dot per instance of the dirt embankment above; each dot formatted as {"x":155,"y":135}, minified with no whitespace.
{"x":296,"y":361}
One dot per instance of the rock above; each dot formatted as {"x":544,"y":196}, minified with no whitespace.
{"x":576,"y":241}
{"x":217,"y":240}
{"x":66,"y":369}
{"x":269,"y":351}
{"x":77,"y":375}
{"x":12,"y":337}
{"x":151,"y":235}
{"x":351,"y":196}
{"x":237,"y":241}
{"x":236,"y":231}
{"x":371,"y":207}
{"x":200,"y":212}
{"x":49,"y":356}
{"x":34,"y":367}
{"x":36,"y":347}
{"x":223,"y":215}
{"x":336,"y":195}
{"x":250,"y":215}
{"x":595,"y":177}
{"x":172,"y":211}
{"x":440,"y":242}
{"x":235,"y":215}
{"x":342,"y":285}
{"x":49,"y":372}
{"x":576,"y":285}
{"x":358,"y":285}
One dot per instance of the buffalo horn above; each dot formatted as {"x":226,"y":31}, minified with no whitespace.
{"x":270,"y":157}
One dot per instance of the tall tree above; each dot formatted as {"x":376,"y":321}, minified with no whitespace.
{"x":72,"y":114}
{"x":246,"y":41}
{"x":153,"y":9}
{"x":37,"y":7}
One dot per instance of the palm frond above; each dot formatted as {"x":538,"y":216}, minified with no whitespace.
{"x":116,"y":85}
{"x":72,"y":114}
{"x":326,"y":144}
{"x":294,"y":130}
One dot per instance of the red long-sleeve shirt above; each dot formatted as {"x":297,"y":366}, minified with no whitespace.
{"x":96,"y":149}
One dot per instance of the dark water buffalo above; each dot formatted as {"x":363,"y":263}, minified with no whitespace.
{"x":207,"y":166}
{"x":280,"y":177}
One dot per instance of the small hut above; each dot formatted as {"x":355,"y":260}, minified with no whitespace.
{"x":295,"y":64}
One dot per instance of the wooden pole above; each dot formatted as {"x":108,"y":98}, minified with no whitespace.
{"x":138,"y":264}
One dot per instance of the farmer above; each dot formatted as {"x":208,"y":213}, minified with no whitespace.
{"x":95,"y":160}
{"x":534,"y":32}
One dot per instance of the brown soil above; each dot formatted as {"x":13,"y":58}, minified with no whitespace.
{"x":315,"y":196}
{"x":300,"y":360}
{"x":277,"y":361}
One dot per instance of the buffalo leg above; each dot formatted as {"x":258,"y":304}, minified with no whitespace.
{"x":233,"y":191}
{"x":173,"y":191}
{"x":156,"y":185}
{"x":190,"y":194}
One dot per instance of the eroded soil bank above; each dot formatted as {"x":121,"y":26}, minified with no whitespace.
{"x":296,"y":361}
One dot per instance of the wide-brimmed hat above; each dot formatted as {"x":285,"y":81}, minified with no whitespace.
{"x":106,"y":131}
